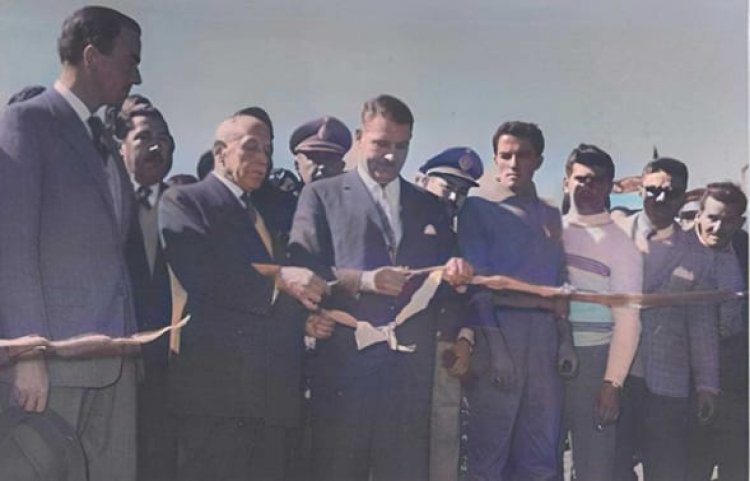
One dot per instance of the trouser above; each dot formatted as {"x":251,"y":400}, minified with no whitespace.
{"x":104,"y":419}
{"x":724,"y":442}
{"x":231,"y":449}
{"x":374,"y":426}
{"x":654,"y":426}
{"x":513,"y":432}
{"x":445,"y":423}
{"x":593,"y":451}
{"x":157,"y":447}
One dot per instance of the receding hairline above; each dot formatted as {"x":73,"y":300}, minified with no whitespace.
{"x":230,"y":125}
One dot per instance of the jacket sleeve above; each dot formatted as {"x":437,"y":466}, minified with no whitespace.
{"x":22,"y":308}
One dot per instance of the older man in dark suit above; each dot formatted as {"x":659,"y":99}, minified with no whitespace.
{"x":65,"y":208}
{"x":371,"y":408}
{"x":236,"y":383}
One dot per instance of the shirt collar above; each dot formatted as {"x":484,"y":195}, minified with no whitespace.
{"x":233,"y":188}
{"x":645,"y":227}
{"x":392,"y":189}
{"x":153,"y":195}
{"x":75,"y":103}
{"x":600,"y":219}
{"x":505,"y":193}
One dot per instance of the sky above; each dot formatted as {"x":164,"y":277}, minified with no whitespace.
{"x":624,"y":75}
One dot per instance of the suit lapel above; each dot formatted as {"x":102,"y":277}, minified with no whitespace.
{"x":74,"y":133}
{"x":238,"y":216}
{"x":361,"y":198}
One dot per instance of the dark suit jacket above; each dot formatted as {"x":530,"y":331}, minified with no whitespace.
{"x":151,"y":290}
{"x":337,"y":225}
{"x":240,"y":354}
{"x":62,"y":262}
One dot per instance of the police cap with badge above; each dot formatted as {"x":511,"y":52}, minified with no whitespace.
{"x":325,"y":134}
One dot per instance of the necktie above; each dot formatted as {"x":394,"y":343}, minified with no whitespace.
{"x":381,"y":206}
{"x":257,"y":220}
{"x":143,"y":194}
{"x":98,"y":133}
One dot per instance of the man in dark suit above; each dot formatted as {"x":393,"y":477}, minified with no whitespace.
{"x":146,"y":147}
{"x":371,"y":408}
{"x":236,"y":382}
{"x":65,"y":208}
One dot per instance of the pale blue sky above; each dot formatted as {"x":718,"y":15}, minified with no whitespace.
{"x":624,"y":75}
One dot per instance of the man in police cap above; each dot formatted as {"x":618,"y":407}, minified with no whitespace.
{"x":318,"y":147}
{"x":449,"y":175}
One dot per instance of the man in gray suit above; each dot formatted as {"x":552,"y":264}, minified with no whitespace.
{"x":65,"y":208}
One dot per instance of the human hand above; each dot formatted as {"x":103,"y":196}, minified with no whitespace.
{"x":30,"y":388}
{"x":606,"y":405}
{"x":390,"y":280}
{"x":706,"y":404}
{"x":303,"y":285}
{"x":319,"y":327}
{"x":458,"y":272}
{"x":567,"y":359}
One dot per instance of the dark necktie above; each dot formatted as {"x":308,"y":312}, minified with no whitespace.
{"x":249,"y":207}
{"x":98,"y":133}
{"x":389,"y":234}
{"x":144,"y":196}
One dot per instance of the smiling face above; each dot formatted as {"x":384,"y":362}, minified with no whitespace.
{"x":588,"y":187}
{"x":242,"y":151}
{"x":115,"y":73}
{"x":383,"y":145}
{"x":147,"y":149}
{"x":716,"y":222}
{"x":516,"y":162}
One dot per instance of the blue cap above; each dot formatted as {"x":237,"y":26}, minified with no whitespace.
{"x":460,"y":162}
{"x":326,"y":134}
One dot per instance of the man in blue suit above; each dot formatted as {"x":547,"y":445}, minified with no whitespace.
{"x":236,"y":383}
{"x":371,"y":408}
{"x":65,"y":208}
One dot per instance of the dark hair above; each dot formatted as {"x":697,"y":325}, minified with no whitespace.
{"x":591,"y":156}
{"x":260,"y":114}
{"x":727,"y":193}
{"x":93,"y":25}
{"x":26,"y":93}
{"x":181,"y":179}
{"x":388,"y":107}
{"x":675,"y":168}
{"x":522,"y":130}
{"x":124,"y":121}
{"x":205,"y":164}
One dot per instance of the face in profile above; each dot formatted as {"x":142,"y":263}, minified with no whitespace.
{"x":516,"y":161}
{"x":116,"y":72}
{"x":588,"y":188}
{"x":662,"y":199}
{"x":243,"y":150}
{"x":383,"y":145}
{"x":147,"y":149}
{"x":716,"y":223}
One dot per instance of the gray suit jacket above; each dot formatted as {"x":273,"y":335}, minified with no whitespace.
{"x":62,"y":264}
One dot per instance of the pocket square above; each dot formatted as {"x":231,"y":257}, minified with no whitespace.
{"x":430,"y":230}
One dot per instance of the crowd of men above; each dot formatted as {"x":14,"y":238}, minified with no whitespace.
{"x":265,"y":383}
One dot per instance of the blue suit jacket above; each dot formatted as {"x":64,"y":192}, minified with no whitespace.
{"x":62,"y":263}
{"x":337,"y":225}
{"x":241,"y":355}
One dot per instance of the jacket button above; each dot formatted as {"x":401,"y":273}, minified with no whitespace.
{"x":240,"y":332}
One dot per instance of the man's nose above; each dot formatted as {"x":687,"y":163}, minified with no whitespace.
{"x":390,"y":156}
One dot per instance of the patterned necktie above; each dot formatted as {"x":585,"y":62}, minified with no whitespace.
{"x":260,"y":225}
{"x":381,"y":205}
{"x":144,"y":196}
{"x":98,"y":133}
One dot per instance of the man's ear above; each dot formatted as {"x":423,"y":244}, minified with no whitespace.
{"x":565,"y":185}
{"x":539,"y":162}
{"x":358,"y":135}
{"x":89,"y":55}
{"x":218,"y":151}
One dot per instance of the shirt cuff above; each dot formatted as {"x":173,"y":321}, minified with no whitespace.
{"x":467,"y":334}
{"x":367,"y":281}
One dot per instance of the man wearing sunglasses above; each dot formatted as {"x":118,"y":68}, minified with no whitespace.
{"x":678,"y":351}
